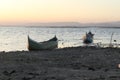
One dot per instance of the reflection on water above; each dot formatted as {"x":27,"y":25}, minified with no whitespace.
{"x":15,"y":38}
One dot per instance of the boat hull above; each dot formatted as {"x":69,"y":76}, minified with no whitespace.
{"x":88,"y":40}
{"x":47,"y":45}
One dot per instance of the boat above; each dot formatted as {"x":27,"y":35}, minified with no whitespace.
{"x":46,"y":45}
{"x":88,"y":38}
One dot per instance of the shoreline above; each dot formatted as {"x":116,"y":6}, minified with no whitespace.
{"x":64,"y":48}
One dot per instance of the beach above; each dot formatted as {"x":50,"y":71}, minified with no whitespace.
{"x":75,"y":63}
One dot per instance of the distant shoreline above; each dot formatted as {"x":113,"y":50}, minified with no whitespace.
{"x":69,"y":27}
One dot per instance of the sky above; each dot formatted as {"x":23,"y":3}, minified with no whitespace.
{"x":84,"y":11}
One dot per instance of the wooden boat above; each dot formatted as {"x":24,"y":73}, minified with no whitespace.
{"x":50,"y":44}
{"x":88,"y":38}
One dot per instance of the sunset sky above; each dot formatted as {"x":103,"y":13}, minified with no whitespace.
{"x":27,"y":11}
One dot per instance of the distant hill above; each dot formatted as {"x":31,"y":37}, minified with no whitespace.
{"x":105,"y":24}
{"x":56,"y":24}
{"x":76,"y":24}
{"x":69,"y":24}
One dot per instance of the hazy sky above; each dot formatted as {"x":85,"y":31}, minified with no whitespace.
{"x":18,"y":11}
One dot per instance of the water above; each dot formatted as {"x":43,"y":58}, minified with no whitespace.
{"x":15,"y":38}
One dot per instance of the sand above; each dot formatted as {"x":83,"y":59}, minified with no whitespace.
{"x":78,"y":63}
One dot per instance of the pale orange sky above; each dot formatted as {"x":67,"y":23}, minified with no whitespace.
{"x":25,"y":11}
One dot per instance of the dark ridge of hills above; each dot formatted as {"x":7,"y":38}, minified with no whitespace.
{"x":68,"y":24}
{"x":76,"y":24}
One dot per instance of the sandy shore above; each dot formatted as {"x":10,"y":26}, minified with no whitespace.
{"x":61,"y":64}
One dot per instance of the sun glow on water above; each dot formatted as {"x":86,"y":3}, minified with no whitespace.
{"x":15,"y":38}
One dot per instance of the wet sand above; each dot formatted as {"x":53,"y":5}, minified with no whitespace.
{"x":61,"y":64}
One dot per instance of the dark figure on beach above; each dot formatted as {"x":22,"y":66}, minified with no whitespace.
{"x":88,"y":38}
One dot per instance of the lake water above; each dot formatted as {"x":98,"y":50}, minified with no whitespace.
{"x":15,"y":38}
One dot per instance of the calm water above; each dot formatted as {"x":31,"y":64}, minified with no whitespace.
{"x":15,"y":38}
